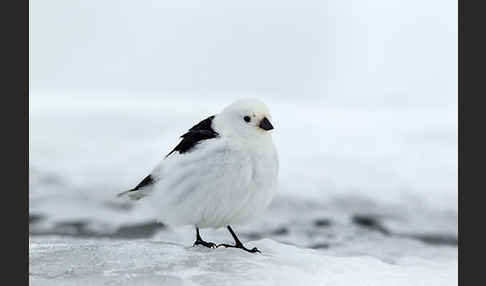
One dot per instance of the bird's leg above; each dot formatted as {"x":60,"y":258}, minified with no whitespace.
{"x":238,"y":243}
{"x":200,"y":241}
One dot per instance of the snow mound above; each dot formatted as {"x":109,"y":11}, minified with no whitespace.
{"x":144,"y":262}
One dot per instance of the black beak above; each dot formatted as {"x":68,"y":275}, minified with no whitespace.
{"x":265,"y":124}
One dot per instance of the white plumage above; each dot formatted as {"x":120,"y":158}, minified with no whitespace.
{"x":228,"y":179}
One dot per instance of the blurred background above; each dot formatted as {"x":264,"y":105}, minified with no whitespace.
{"x":363,"y":95}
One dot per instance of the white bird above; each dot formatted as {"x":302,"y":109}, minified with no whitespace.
{"x":223,"y":171}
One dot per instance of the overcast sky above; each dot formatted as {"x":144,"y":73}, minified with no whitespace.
{"x":401,"y":50}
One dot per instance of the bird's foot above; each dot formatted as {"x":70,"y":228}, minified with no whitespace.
{"x":240,"y":246}
{"x":205,"y":243}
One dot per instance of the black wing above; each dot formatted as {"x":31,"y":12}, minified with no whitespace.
{"x":199,"y":132}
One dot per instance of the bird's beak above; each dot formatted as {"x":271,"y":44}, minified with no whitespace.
{"x":265,"y":124}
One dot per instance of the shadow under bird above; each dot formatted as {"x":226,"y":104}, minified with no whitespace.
{"x":224,"y":171}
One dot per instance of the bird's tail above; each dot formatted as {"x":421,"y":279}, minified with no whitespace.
{"x":122,"y":194}
{"x":131,"y":194}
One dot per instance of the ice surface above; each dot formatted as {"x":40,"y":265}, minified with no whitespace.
{"x":143,"y":262}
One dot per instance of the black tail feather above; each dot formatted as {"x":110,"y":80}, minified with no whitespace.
{"x":124,"y":193}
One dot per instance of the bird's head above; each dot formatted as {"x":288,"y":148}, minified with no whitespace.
{"x":247,"y":118}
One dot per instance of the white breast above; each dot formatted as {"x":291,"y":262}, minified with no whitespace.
{"x":263,"y":186}
{"x":216,"y":185}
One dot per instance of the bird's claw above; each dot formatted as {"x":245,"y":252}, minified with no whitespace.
{"x":206,"y":244}
{"x":253,"y":250}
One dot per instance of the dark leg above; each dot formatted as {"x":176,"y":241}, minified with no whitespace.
{"x":238,"y":243}
{"x":200,"y":241}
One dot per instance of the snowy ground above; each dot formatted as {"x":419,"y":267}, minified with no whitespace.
{"x":105,"y":262}
{"x":368,"y":195}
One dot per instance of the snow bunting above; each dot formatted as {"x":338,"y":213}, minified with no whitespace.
{"x":223,"y":171}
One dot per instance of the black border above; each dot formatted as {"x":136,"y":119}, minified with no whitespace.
{"x":471,"y":152}
{"x":14,"y":212}
{"x":460,"y":200}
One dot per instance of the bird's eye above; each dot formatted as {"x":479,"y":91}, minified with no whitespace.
{"x":247,"y":118}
